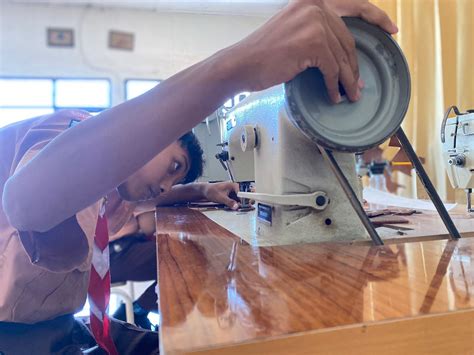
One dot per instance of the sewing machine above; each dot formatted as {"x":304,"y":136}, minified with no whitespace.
{"x":253,"y":294}
{"x":457,"y":136}
{"x":295,"y":194}
{"x":299,"y":148}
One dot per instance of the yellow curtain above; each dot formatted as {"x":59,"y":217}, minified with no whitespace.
{"x":437,"y":37}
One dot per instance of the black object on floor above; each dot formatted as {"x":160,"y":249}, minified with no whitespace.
{"x":141,"y":316}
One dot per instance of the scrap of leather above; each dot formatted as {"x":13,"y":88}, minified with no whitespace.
{"x":391,"y":219}
{"x":390,"y":216}
{"x":391,"y":211}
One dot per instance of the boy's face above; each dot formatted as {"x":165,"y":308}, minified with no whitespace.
{"x":166,"y":169}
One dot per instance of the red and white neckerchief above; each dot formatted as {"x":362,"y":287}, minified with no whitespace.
{"x":99,"y":286}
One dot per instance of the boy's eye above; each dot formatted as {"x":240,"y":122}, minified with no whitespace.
{"x":176,"y":166}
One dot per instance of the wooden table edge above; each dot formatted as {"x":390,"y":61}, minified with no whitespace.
{"x":442,"y":333}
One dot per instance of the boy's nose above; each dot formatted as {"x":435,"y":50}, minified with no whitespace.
{"x":165,"y":187}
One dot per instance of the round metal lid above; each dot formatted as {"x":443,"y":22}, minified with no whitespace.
{"x":355,"y":127}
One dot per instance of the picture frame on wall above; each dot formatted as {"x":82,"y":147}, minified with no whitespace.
{"x":60,"y":37}
{"x":121,"y":40}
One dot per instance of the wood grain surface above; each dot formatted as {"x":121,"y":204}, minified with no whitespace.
{"x":218,"y":294}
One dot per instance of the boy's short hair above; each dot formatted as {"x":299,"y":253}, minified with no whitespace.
{"x":191,"y":144}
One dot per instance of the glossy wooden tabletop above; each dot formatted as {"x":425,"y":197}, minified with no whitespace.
{"x":215,"y":290}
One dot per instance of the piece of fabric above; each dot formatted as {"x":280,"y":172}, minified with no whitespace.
{"x":99,"y":286}
{"x":44,"y":275}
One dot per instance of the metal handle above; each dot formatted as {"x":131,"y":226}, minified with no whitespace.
{"x":317,"y":200}
{"x":445,"y":118}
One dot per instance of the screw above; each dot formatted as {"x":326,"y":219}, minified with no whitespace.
{"x":320,"y":201}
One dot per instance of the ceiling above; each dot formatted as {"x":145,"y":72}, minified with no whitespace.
{"x":237,"y":7}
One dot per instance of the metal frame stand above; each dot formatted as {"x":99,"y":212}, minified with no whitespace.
{"x":425,"y":180}
{"x":428,"y":185}
{"x":351,"y":195}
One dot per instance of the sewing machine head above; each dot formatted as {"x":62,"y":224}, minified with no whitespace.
{"x":457,"y":136}
{"x":276,"y":137}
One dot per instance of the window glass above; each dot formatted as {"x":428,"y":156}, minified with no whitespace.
{"x":26,"y":92}
{"x":82,"y":93}
{"x":136,"y":87}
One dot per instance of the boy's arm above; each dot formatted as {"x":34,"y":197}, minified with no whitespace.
{"x":94,"y":157}
{"x":88,"y":160}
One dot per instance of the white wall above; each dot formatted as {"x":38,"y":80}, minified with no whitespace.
{"x":165,"y":43}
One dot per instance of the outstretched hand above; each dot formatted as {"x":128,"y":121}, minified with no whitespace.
{"x":221,"y":192}
{"x":307,"y":34}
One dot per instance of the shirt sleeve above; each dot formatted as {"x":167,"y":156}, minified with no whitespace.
{"x":66,"y":246}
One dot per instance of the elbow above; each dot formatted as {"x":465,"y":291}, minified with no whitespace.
{"x":17,"y":208}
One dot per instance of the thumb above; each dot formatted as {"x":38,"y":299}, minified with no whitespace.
{"x":378,"y":17}
{"x":232,"y":204}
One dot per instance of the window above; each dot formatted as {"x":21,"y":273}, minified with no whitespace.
{"x":89,"y":94}
{"x":22,"y":98}
{"x":26,"y":92}
{"x":136,"y":87}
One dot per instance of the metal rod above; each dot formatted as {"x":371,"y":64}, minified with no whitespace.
{"x":469,"y":205}
{"x":429,"y":188}
{"x":346,"y":186}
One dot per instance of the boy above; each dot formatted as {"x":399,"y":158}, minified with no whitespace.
{"x":49,"y":281}
{"x":59,"y":184}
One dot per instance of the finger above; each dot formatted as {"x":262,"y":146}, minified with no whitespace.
{"x":376,"y":16}
{"x":346,"y":73}
{"x":233,"y":195}
{"x":346,"y":77}
{"x":235,"y":187}
{"x":234,"y":191}
{"x":330,"y":70}
{"x":232,"y":204}
{"x":347,"y":42}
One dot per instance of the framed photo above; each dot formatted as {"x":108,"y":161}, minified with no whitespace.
{"x":60,"y":37}
{"x":121,"y":40}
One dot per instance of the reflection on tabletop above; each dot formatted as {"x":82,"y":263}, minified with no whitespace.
{"x":222,"y":290}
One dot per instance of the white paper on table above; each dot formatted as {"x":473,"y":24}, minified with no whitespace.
{"x":374,"y":196}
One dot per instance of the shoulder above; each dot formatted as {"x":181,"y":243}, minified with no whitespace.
{"x":62,"y":119}
{"x":24,"y":139}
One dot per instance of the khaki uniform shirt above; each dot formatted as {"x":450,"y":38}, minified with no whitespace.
{"x":42,"y":275}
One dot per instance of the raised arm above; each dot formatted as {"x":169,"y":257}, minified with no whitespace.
{"x":87,"y":161}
